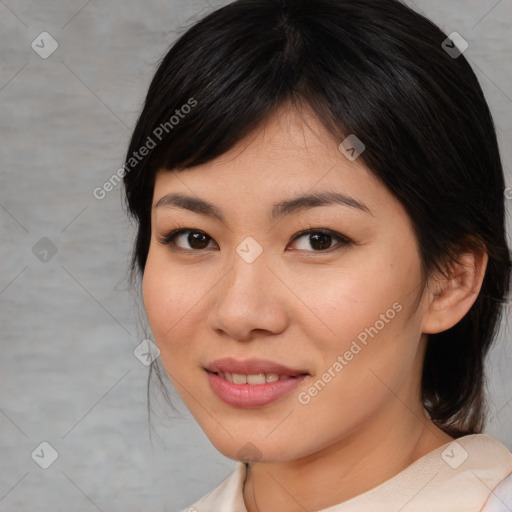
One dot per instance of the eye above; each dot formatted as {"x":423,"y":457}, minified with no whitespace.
{"x":320,"y":239}
{"x":196,"y":239}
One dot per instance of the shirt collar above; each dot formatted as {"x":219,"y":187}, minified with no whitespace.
{"x":458,"y":476}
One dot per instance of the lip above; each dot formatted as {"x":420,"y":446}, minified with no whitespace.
{"x":251,"y":367}
{"x":246,"y":396}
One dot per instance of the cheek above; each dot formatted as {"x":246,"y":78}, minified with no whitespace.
{"x":169,"y":298}
{"x":369,"y":311}
{"x":354,"y":299}
{"x":156,"y":299}
{"x":167,"y":304}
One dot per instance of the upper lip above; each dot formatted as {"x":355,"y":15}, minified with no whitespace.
{"x":251,"y":367}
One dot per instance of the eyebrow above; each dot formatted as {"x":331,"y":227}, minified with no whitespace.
{"x":278,"y":210}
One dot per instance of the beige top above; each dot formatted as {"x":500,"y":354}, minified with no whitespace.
{"x":461,"y":476}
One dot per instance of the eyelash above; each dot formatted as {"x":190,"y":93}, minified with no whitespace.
{"x":168,"y":239}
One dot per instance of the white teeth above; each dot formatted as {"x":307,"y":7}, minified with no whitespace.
{"x":256,"y":379}
{"x":238,"y":378}
{"x":253,"y":379}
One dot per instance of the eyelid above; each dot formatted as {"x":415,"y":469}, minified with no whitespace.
{"x":325,"y":231}
{"x":168,"y":238}
{"x":342,"y":239}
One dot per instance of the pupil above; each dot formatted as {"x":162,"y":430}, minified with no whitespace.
{"x":314,"y":240}
{"x":194,"y":239}
{"x":318,"y":241}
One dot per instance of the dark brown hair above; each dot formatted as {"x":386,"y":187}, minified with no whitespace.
{"x":373,"y":68}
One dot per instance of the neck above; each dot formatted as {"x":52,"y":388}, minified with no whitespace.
{"x":347,"y":468}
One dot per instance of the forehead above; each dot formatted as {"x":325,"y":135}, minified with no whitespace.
{"x":288,"y":155}
{"x":289,"y":135}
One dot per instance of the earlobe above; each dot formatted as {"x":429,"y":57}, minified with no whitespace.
{"x":451,"y":297}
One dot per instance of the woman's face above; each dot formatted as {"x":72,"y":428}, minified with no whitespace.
{"x":336,"y":310}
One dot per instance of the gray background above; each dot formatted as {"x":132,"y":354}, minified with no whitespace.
{"x":69,"y":324}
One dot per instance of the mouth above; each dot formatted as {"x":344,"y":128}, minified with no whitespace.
{"x":252,"y":371}
{"x":254,"y":379}
{"x":252,"y":383}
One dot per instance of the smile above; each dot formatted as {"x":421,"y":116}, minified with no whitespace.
{"x":252,"y":382}
{"x":253,"y":379}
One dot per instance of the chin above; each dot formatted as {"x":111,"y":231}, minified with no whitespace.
{"x":246,"y":449}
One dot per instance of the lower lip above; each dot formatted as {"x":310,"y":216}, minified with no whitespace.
{"x":246,"y":396}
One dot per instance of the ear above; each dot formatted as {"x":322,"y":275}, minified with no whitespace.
{"x":450,"y":297}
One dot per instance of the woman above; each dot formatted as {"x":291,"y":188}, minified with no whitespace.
{"x":321,"y":240}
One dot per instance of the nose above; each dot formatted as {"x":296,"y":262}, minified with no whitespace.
{"x":250,"y":299}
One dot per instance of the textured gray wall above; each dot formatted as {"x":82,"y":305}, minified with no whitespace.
{"x":68,"y":324}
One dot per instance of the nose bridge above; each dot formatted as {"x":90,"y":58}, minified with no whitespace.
{"x":249,"y":272}
{"x":246,"y":299}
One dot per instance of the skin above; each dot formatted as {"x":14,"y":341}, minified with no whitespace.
{"x":301,"y":307}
